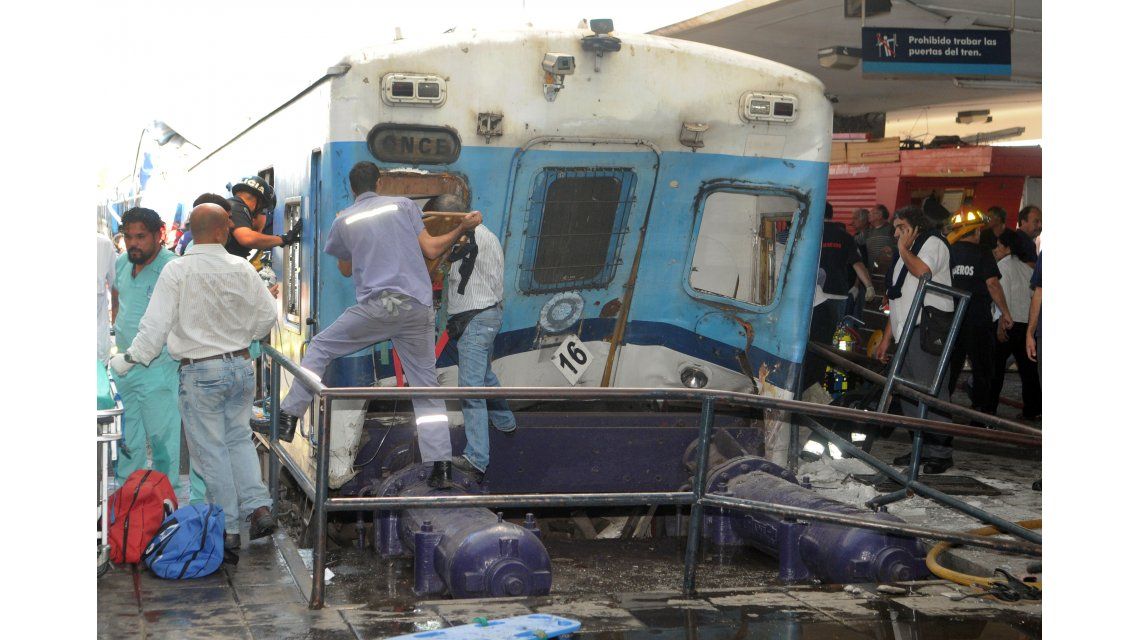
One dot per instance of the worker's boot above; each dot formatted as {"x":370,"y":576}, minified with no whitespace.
{"x":231,"y":545}
{"x":463,"y":464}
{"x":440,"y":477}
{"x":933,"y":466}
{"x":261,"y":523}
{"x":286,"y":426}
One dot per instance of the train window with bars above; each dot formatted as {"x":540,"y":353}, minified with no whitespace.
{"x":741,"y":245}
{"x":291,"y":269}
{"x":575,"y":228}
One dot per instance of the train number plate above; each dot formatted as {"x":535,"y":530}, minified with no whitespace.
{"x":572,"y":359}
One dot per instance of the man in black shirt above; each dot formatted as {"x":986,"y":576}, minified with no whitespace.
{"x":973,"y":269}
{"x":837,"y":255}
{"x":1028,"y":228}
{"x":253,"y":200}
{"x":993,"y":228}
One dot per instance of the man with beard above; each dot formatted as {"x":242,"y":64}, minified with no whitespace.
{"x":150,"y":394}
{"x":207,"y":307}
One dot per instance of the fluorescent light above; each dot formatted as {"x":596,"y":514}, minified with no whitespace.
{"x":1009,"y":85}
{"x":839,"y":57}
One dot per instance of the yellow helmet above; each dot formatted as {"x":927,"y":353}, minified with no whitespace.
{"x":965,"y":222}
{"x":873,"y":342}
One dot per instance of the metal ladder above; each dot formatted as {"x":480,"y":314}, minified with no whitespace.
{"x":926,"y":285}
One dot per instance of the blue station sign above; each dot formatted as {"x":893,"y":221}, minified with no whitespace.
{"x":956,"y":52}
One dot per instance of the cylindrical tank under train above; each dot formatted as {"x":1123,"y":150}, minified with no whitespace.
{"x":467,"y":552}
{"x":807,"y":550}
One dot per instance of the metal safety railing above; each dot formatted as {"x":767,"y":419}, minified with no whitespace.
{"x":696,"y":499}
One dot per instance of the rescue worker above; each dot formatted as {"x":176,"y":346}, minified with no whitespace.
{"x":380,"y":242}
{"x":207,"y":307}
{"x":150,"y":394}
{"x":837,"y":255}
{"x":973,"y":269}
{"x":474,"y":317}
{"x":253,"y":200}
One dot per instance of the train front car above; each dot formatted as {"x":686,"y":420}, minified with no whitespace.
{"x":662,"y":202}
{"x":659,"y":204}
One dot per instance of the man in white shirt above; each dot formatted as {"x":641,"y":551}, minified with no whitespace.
{"x":105,"y":277}
{"x":475,"y":315}
{"x":207,"y":308}
{"x":922,"y":251}
{"x":1015,"y":276}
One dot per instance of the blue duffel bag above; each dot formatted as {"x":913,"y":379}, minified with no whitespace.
{"x":189,"y":544}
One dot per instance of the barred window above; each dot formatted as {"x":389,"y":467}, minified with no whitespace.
{"x":741,"y":245}
{"x":291,"y":269}
{"x":576,"y":225}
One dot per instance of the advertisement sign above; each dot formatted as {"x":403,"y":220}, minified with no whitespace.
{"x":954,"y":52}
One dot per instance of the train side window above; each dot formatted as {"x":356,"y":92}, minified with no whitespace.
{"x":291,"y":270}
{"x":741,"y":244}
{"x":576,"y":223}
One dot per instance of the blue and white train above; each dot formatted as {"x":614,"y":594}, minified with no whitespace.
{"x":660,"y":200}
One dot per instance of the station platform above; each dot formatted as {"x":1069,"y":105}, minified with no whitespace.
{"x":617,"y":588}
{"x":262,"y":598}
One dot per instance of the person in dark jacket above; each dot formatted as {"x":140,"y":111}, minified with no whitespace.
{"x":973,"y":269}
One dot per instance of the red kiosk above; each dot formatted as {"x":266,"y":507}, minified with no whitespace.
{"x":990,"y":176}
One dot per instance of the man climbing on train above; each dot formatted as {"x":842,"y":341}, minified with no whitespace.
{"x":380,"y":242}
{"x":252,"y":202}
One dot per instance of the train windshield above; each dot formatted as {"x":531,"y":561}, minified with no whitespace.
{"x":741,"y":245}
{"x":576,"y":224}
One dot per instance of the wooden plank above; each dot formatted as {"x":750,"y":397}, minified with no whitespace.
{"x":838,"y":152}
{"x":876,"y":151}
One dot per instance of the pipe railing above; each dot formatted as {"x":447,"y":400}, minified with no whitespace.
{"x":696,"y":499}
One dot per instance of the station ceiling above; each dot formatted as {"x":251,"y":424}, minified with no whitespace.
{"x":793,"y":31}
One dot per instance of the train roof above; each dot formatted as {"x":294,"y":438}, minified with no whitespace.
{"x":722,"y":74}
{"x":451,"y":40}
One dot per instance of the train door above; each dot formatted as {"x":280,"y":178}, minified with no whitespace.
{"x":571,"y":240}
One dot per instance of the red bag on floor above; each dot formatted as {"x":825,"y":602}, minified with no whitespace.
{"x":136,"y":512}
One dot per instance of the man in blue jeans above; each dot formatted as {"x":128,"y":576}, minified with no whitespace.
{"x":206,"y":308}
{"x":474,"y":316}
{"x":380,"y":242}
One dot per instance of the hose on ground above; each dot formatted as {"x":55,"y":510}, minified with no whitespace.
{"x":965,"y":578}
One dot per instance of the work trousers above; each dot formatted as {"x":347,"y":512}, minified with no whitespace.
{"x":975,"y":340}
{"x":919,"y":366}
{"x":150,"y":415}
{"x":216,"y":397}
{"x":475,"y":348}
{"x":1026,"y":370}
{"x":408,"y":324}
{"x":824,"y":320}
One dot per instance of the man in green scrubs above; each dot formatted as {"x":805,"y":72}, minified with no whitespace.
{"x":150,"y":394}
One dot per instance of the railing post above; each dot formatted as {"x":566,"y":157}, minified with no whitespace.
{"x":696,"y":514}
{"x":274,"y":409}
{"x":320,"y":508}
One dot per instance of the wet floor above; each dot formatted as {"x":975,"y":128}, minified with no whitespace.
{"x":618,"y":589}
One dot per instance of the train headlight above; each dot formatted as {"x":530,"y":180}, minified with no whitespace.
{"x":693,"y":378}
{"x":561,"y":312}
